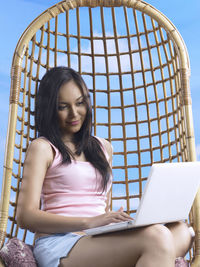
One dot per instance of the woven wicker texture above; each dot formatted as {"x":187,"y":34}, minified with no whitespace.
{"x":136,"y":66}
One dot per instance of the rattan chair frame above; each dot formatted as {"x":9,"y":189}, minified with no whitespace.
{"x":19,"y":65}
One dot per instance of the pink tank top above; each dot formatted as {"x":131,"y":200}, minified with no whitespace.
{"x":73,"y":189}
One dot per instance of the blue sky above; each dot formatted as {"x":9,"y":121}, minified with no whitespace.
{"x":17,"y":14}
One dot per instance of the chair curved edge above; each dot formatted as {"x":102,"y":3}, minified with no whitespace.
{"x":7,"y":172}
{"x":71,"y":4}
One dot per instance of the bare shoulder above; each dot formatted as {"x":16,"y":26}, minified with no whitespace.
{"x":108,"y":146}
{"x":39,"y":144}
{"x":40,"y":148}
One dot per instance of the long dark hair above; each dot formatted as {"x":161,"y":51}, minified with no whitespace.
{"x":46,"y":120}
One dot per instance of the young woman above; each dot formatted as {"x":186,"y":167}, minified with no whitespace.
{"x":68,"y":171}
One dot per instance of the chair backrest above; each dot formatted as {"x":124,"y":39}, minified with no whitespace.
{"x":136,"y":66}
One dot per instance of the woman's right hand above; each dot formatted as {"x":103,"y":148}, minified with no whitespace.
{"x":108,"y":217}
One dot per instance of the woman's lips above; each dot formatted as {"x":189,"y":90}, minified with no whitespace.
{"x":73,"y":123}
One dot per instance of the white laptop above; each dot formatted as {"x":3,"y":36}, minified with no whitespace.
{"x":168,"y":196}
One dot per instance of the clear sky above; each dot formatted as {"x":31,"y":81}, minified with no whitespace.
{"x":17,"y":14}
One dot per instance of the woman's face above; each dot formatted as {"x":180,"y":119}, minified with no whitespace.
{"x":71,"y":109}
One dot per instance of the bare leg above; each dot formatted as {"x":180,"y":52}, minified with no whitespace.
{"x":182,"y":237}
{"x":151,"y":246}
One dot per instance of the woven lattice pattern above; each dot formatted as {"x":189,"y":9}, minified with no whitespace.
{"x":132,"y":68}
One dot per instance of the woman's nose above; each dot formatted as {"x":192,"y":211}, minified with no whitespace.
{"x":73,"y":111}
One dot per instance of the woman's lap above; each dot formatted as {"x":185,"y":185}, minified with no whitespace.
{"x":120,"y":248}
{"x":104,"y":250}
{"x":114,"y":249}
{"x":77,"y":249}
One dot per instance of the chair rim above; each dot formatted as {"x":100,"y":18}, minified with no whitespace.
{"x":64,"y":5}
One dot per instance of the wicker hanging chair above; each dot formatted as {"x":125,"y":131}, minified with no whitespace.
{"x":136,"y":66}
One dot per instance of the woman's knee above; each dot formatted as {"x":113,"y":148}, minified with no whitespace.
{"x":183,"y":237}
{"x":181,"y":230}
{"x":159,"y":238}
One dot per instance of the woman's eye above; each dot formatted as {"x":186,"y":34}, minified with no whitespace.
{"x":80,"y":103}
{"x":62,"y":107}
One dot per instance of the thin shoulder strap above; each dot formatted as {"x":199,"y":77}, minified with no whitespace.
{"x":58,"y":157}
{"x":103,"y":147}
{"x":44,"y":138}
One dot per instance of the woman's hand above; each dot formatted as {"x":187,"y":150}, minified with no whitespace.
{"x":108,"y":217}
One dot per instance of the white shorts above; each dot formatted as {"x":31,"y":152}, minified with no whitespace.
{"x":48,"y":250}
